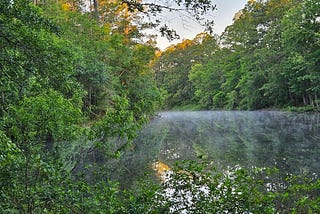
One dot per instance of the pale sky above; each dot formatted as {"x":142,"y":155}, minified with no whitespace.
{"x":187,"y":29}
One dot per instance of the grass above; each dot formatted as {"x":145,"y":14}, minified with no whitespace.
{"x":188,"y":107}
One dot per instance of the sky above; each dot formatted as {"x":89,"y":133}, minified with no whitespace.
{"x":188,"y":29}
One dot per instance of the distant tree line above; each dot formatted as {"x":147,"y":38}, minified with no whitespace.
{"x":269,"y":57}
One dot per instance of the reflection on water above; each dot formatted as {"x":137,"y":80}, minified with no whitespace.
{"x":288,"y":141}
{"x":162,"y":170}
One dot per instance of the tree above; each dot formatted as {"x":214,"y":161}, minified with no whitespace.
{"x":29,"y":42}
{"x":128,"y":10}
{"x":173,"y":67}
{"x":208,"y":78}
{"x":300,"y":39}
{"x":250,"y":75}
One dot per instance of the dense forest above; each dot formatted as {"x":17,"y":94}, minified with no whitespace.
{"x":78,"y":81}
{"x":268,"y":58}
{"x":72,"y":83}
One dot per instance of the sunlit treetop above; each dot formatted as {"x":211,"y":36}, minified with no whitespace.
{"x":151,"y":14}
{"x":196,"y":10}
{"x":154,"y":12}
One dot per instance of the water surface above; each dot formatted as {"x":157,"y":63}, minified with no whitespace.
{"x":289,"y":141}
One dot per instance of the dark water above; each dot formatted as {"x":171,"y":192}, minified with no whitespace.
{"x":289,"y":141}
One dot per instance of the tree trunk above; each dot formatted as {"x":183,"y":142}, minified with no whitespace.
{"x":95,"y":9}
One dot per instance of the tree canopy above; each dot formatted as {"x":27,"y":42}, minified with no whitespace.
{"x":268,"y":57}
{"x":67,"y":81}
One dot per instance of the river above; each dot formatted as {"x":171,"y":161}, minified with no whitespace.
{"x":288,"y":141}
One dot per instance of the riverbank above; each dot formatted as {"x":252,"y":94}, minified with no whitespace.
{"x":298,"y":109}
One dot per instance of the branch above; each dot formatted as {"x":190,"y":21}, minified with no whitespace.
{"x":197,"y":9}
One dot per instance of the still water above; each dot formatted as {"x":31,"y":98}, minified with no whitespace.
{"x":288,"y":141}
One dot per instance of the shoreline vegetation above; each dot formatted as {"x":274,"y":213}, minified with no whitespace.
{"x":268,"y":58}
{"x":194,"y":107}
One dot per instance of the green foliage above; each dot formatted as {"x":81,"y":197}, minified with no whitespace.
{"x":33,"y":58}
{"x":70,"y":80}
{"x":268,"y":57}
{"x":219,"y":100}
{"x":9,"y":150}
{"x":45,"y":118}
{"x":113,"y":133}
{"x":10,"y":160}
{"x":198,"y":188}
{"x":300,"y":35}
{"x":189,"y":107}
{"x":173,"y":67}
{"x":66,"y":82}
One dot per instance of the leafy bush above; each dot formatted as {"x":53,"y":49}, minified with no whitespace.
{"x":198,"y":188}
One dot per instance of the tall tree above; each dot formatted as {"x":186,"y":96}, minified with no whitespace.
{"x":173,"y":66}
{"x":300,"y":39}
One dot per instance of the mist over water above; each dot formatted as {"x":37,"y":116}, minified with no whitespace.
{"x":288,"y":141}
